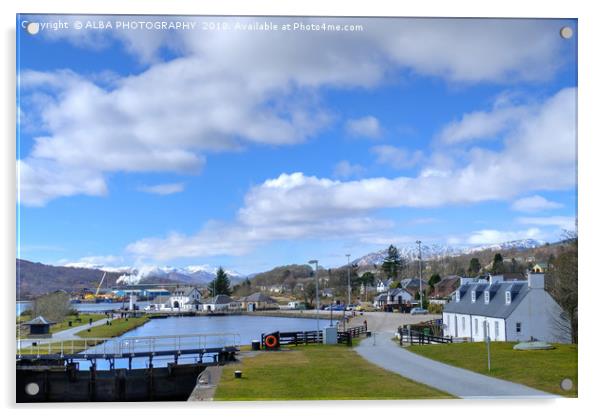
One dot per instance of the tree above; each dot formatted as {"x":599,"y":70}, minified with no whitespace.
{"x":435,"y":278}
{"x":221,"y":284}
{"x":474,"y":268}
{"x":309,"y":294}
{"x":54,"y":306}
{"x":562,"y":284}
{"x":392,"y":262}
{"x":498,"y":264}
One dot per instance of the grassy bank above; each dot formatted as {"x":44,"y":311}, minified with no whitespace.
{"x":543,"y":369}
{"x":76,"y":320}
{"x":316,"y":372}
{"x":117,"y":328}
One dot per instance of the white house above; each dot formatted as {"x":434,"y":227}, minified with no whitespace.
{"x":221,"y":303}
{"x":383,"y":286}
{"x":394,"y":298}
{"x":185,"y":298}
{"x":511,"y":310}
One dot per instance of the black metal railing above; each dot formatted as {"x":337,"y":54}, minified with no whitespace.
{"x":415,"y":337}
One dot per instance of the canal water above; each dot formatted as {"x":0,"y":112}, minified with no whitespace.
{"x":247,"y":328}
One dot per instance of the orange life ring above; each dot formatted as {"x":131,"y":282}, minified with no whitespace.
{"x":271,"y":341}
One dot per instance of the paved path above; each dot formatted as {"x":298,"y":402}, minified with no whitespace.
{"x":68,"y":334}
{"x":387,"y":354}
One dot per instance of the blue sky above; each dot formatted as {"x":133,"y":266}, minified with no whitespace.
{"x":256,"y":149}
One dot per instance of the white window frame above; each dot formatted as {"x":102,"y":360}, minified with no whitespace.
{"x":476,"y":327}
{"x":463,"y":323}
{"x":457,"y":296}
{"x":519,"y":327}
{"x":473,"y":296}
{"x":497,"y":329}
{"x":508,"y":297}
{"x":486,"y":297}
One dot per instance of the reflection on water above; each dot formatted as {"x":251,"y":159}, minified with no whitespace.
{"x":248,"y":328}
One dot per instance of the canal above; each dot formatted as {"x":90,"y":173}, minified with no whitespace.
{"x":248,"y":328}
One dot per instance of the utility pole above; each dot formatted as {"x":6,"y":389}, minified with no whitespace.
{"x":420,"y":270}
{"x":314,"y":261}
{"x":348,"y":281}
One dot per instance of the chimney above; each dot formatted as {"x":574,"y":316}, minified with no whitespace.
{"x":536,"y":281}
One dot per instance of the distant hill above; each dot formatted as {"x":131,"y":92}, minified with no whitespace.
{"x":35,"y":278}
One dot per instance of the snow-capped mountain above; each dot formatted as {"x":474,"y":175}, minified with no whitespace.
{"x":193,"y":274}
{"x":436,"y":251}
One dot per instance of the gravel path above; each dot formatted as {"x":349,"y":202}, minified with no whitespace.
{"x":387,"y":354}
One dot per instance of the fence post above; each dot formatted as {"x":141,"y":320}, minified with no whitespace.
{"x":349,"y":339}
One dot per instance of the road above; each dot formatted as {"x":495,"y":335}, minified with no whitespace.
{"x":386,"y":353}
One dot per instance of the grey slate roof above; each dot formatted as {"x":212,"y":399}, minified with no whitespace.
{"x":497,"y":306}
{"x":219,"y":299}
{"x":39,"y":320}
{"x":259,"y":298}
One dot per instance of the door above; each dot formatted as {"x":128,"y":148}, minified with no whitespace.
{"x":455,"y":325}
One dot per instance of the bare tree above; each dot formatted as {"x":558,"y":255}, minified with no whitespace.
{"x":562,"y":283}
{"x":54,"y":306}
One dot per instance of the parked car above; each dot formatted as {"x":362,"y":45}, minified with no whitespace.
{"x":418,"y":310}
{"x":351,"y":307}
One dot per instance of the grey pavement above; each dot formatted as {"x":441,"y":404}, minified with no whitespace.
{"x":387,"y":354}
{"x":68,"y":334}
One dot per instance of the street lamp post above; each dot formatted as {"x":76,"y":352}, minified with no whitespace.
{"x":420,"y":270}
{"x":348,"y":281}
{"x":314,"y":261}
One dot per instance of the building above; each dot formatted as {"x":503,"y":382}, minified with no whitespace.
{"x":511,"y":310}
{"x":446,"y":287}
{"x":182,"y":298}
{"x":39,"y":327}
{"x":383,"y":286}
{"x":540,"y":268}
{"x":161,"y":302}
{"x":396,"y":298}
{"x":221,"y":303}
{"x":258,"y":301}
{"x":412,"y":285}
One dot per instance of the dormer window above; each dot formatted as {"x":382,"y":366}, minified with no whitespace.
{"x":473,"y":296}
{"x":508,"y":297}
{"x":486,"y":297}
{"x":458,"y":296}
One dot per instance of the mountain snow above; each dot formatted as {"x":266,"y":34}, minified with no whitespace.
{"x":436,"y":251}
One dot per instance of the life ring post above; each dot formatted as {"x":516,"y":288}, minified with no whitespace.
{"x":272,"y":341}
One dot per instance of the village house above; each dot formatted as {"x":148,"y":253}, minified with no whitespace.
{"x":511,"y":310}
{"x":540,"y":268}
{"x":221,"y":303}
{"x":182,"y":298}
{"x":444,"y":288}
{"x":396,"y":298}
{"x":412,"y":285}
{"x":258,"y":301}
{"x":383,"y":286}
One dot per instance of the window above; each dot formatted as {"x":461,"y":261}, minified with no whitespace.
{"x":518,"y":327}
{"x":508,"y":297}
{"x":463,"y":323}
{"x":497,"y":330}
{"x":476,"y":326}
{"x":486,"y":297}
{"x":473,"y":296}
{"x":457,"y":296}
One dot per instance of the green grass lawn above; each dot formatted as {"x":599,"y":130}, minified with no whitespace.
{"x":540,"y":369}
{"x":316,"y":372}
{"x":84,"y":318}
{"x":117,"y":328}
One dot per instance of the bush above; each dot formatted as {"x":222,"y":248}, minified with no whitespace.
{"x":435,"y":308}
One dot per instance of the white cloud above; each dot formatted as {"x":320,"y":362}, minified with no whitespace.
{"x":364,"y":127}
{"x":482,"y":125}
{"x":346,"y":169}
{"x":294,"y":206}
{"x":395,"y":157}
{"x":490,"y":236}
{"x":163,"y":189}
{"x":228,"y":90}
{"x":534,"y":203}
{"x":562,"y":222}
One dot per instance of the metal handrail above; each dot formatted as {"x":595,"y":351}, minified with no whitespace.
{"x":127,"y":345}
